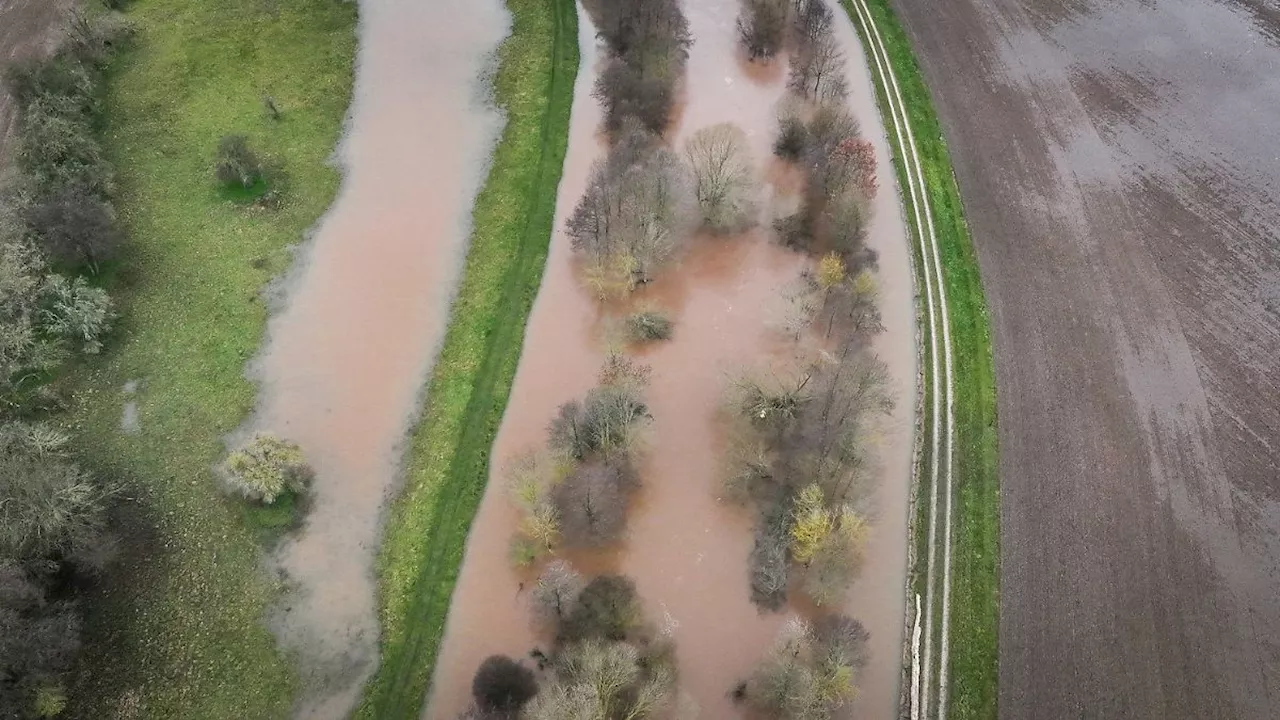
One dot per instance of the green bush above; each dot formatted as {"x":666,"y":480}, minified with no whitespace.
{"x":267,"y":467}
{"x":236,"y":164}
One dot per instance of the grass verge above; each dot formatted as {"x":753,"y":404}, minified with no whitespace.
{"x":447,"y":465}
{"x":177,"y":630}
{"x":975,"y":586}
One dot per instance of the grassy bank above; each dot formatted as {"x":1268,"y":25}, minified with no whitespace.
{"x":976,"y":518}
{"x":448,"y":461}
{"x":177,"y":631}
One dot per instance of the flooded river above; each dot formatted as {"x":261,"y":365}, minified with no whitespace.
{"x":686,"y":550}
{"x":364,"y":311}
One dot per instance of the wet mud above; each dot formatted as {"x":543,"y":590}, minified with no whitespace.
{"x":686,"y":550}
{"x":364,"y":311}
{"x":1117,"y":162}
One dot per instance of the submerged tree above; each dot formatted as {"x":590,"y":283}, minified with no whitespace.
{"x":556,"y":595}
{"x":762,"y":27}
{"x":810,"y":672}
{"x":626,"y":223}
{"x":722,"y":178}
{"x":502,"y":686}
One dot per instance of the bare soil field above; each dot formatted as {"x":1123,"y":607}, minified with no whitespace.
{"x":27,"y":28}
{"x":1119,"y":167}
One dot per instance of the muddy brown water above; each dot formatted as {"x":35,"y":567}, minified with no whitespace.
{"x":686,"y":550}
{"x":364,"y":311}
{"x":1118,"y":162}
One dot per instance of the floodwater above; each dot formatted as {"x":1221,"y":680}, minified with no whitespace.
{"x":366,"y":303}
{"x":686,"y":550}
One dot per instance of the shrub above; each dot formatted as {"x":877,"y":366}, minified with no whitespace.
{"x":57,"y":149}
{"x":502,"y":685}
{"x":648,"y":325}
{"x":722,"y":178}
{"x":236,"y":164}
{"x":267,"y":467}
{"x":74,"y":313}
{"x":39,"y":639}
{"x":762,"y":26}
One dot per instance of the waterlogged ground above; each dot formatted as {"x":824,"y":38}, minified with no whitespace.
{"x":686,"y":550}
{"x":364,"y":311}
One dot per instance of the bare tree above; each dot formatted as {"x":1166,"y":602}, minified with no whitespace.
{"x":797,"y":680}
{"x":592,"y":505}
{"x":556,"y":594}
{"x":723,"y":179}
{"x":627,"y":221}
{"x":76,"y":227}
{"x":770,"y":559}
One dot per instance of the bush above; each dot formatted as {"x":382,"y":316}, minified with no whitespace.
{"x":502,"y":685}
{"x":74,"y":313}
{"x":235,"y":164}
{"x":647,"y":326}
{"x":722,"y":178}
{"x":762,"y":27}
{"x":267,"y":467}
{"x":39,"y":639}
{"x":58,"y":150}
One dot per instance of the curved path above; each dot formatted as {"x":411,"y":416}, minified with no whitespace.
{"x":1119,"y":169}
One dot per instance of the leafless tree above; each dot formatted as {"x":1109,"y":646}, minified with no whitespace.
{"x":817,"y":71}
{"x":627,"y":222}
{"x":723,"y":179}
{"x":762,"y":27}
{"x":556,"y":594}
{"x":592,"y":505}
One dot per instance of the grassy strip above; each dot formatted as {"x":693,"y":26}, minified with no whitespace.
{"x":976,"y":519}
{"x":177,"y":631}
{"x":448,"y":462}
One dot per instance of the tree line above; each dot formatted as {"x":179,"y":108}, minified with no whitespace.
{"x":799,"y":451}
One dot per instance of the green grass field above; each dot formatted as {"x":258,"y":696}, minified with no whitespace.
{"x":448,"y":461}
{"x":177,"y":631}
{"x":975,"y":578}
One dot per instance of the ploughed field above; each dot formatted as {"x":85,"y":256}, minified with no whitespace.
{"x":1119,"y":168}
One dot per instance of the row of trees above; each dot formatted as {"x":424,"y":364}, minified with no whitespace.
{"x":56,"y":218}
{"x":800,"y":432}
{"x":606,"y":662}
{"x":648,"y":44}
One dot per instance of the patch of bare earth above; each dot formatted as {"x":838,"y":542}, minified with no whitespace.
{"x":1119,"y":168}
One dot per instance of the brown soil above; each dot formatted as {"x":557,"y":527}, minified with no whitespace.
{"x":1119,"y":168}
{"x":28,"y":28}
{"x":367,"y":302}
{"x":691,"y":563}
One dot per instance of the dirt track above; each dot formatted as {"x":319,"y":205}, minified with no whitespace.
{"x":27,"y":27}
{"x":1120,"y":165}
